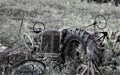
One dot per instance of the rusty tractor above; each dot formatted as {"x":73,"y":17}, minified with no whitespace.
{"x":75,"y":48}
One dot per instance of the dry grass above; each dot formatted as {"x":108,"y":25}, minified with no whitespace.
{"x":54,"y":13}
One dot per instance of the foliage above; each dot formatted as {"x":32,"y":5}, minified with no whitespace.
{"x":57,"y":14}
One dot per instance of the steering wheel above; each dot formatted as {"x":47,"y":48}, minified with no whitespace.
{"x":37,"y":28}
{"x":100,"y":22}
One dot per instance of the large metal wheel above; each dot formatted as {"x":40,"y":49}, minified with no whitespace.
{"x":29,"y":67}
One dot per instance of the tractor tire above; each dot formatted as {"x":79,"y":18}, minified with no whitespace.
{"x":28,"y":67}
{"x":88,"y":44}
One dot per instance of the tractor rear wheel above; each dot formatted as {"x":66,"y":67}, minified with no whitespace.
{"x":79,"y":46}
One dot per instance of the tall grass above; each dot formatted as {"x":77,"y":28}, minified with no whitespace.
{"x":54,"y":13}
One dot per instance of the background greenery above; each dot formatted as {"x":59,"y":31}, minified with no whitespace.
{"x":56,"y":14}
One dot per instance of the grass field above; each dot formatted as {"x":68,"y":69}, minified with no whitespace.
{"x":55,"y":14}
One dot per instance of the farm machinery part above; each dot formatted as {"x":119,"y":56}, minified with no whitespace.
{"x":75,"y":47}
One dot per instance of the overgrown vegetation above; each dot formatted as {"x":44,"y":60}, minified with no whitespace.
{"x":57,"y":14}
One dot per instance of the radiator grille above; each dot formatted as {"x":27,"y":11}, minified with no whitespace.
{"x":50,"y":41}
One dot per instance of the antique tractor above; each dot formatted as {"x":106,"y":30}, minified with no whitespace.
{"x":74,"y":48}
